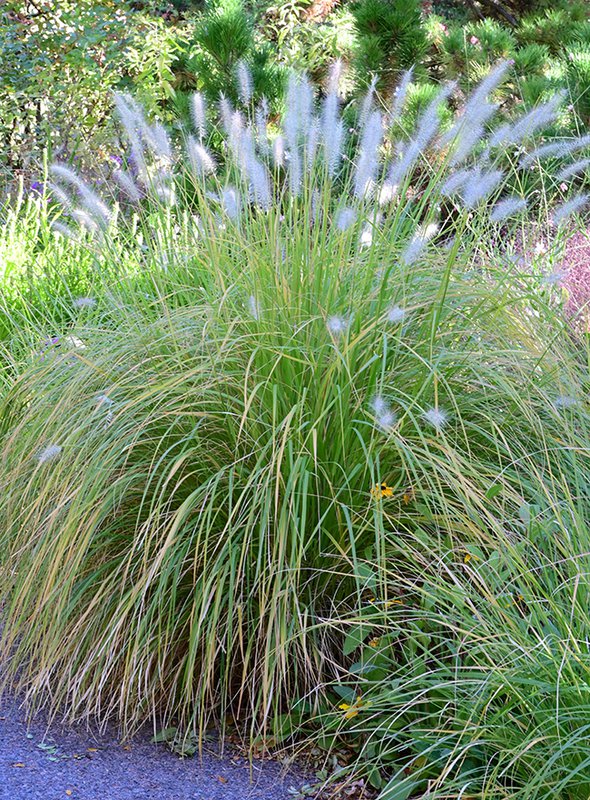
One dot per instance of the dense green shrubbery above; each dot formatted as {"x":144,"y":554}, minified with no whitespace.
{"x":59,"y":61}
{"x":471,"y":674}
{"x":390,"y":40}
{"x":223,"y":37}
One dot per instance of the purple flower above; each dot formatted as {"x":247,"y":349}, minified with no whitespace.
{"x":117,"y":160}
{"x":37,"y":186}
{"x":53,"y":341}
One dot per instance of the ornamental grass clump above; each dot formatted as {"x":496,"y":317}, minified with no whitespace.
{"x":289,"y":328}
{"x":474,"y":680}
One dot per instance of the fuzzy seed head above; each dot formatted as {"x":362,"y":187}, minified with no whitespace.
{"x":254,"y":307}
{"x":201,"y":160}
{"x":230,"y":200}
{"x":385,"y":418}
{"x":245,"y":83}
{"x":396,"y":315}
{"x":84,"y":302}
{"x":573,"y":169}
{"x":508,"y":207}
{"x":436,"y":417}
{"x":337,"y":325}
{"x":400,"y":94}
{"x":50,"y":453}
{"x":565,"y":401}
{"x":345,"y":218}
{"x":199,"y":114}
{"x":128,"y":185}
{"x":572,"y":206}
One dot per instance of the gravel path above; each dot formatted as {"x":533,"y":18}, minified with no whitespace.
{"x":62,"y":763}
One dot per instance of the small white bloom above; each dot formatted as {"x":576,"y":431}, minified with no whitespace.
{"x":565,"y":401}
{"x":85,"y":302}
{"x":366,"y":236}
{"x":436,"y":417}
{"x":540,"y":248}
{"x":387,"y":420}
{"x":337,"y":325}
{"x":379,"y":406}
{"x":384,"y":416}
{"x":73,"y":341}
{"x":396,"y":315}
{"x":49,"y":453}
{"x":105,"y":400}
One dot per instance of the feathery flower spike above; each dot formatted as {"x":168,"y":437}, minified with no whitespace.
{"x":49,"y":453}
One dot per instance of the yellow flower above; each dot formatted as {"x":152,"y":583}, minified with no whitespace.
{"x":352,"y":710}
{"x":408,"y":496}
{"x":386,"y":603}
{"x":381,"y":490}
{"x":374,"y":642}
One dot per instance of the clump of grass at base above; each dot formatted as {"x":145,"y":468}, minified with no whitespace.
{"x":192,"y":481}
{"x":473,"y":678}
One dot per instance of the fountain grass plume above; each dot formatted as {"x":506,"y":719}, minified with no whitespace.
{"x":311,"y":150}
{"x":368,"y":155}
{"x":199,"y":114}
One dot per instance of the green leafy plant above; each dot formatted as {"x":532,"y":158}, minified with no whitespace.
{"x":475,"y":674}
{"x":554,"y":28}
{"x":532,"y":59}
{"x":224,"y":36}
{"x":578,"y":71}
{"x":60,"y":61}
{"x":304,"y":43}
{"x":390,"y":39}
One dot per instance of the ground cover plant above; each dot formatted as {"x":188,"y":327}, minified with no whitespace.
{"x":287,"y":439}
